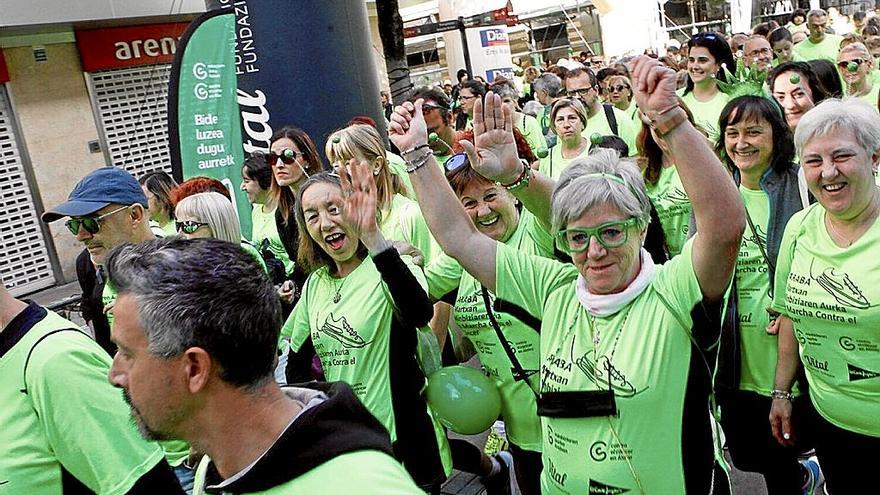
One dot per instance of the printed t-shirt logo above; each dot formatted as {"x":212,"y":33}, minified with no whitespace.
{"x":841,"y":287}
{"x":602,"y":371}
{"x":759,"y":237}
{"x":599,"y":488}
{"x":676,"y":195}
{"x":342,"y":332}
{"x":856,"y":373}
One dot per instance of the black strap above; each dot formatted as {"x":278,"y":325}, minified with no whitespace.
{"x":31,"y":351}
{"x":611,"y":118}
{"x":518,"y":372}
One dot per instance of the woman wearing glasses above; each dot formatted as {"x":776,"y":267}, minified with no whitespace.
{"x":856,"y":66}
{"x":624,"y":381}
{"x":211,"y":215}
{"x":469,"y":93}
{"x":826,"y":283}
{"x":664,"y":187}
{"x":756,"y":145}
{"x":360,"y":311}
{"x":618,"y":92}
{"x":256,"y":182}
{"x":569,"y":119}
{"x":708,"y":55}
{"x":293,"y":158}
{"x":506,"y":340}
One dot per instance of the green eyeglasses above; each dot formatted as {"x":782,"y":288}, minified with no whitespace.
{"x":91,"y":224}
{"x":189,"y":227}
{"x":609,"y":235}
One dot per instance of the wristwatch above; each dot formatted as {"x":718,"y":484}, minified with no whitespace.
{"x":665,"y":121}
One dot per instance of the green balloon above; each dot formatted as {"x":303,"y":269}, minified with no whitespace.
{"x":794,"y":79}
{"x":433,"y":137}
{"x":542,"y":153}
{"x":852,"y":67}
{"x":464,"y":399}
{"x":595,"y":139}
{"x":289,"y":154}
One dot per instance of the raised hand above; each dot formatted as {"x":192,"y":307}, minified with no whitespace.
{"x":407,"y":127}
{"x":654,"y":85}
{"x":493,"y":152}
{"x":359,"y":193}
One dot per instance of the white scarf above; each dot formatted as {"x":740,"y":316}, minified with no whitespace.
{"x":608,"y":304}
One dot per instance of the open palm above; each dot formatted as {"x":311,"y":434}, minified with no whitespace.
{"x":493,"y":152}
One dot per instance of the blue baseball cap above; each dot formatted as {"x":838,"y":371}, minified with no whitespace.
{"x":102,"y":187}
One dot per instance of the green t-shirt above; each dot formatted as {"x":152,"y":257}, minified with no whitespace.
{"x":706,"y":113}
{"x":176,"y":451}
{"x":626,"y":129}
{"x":871,"y":96}
{"x":349,"y":321}
{"x":757,"y":347}
{"x":831,"y":295}
{"x":518,"y":405}
{"x":826,"y":49}
{"x":404,"y":222}
{"x":251,"y":250}
{"x":530,"y":128}
{"x":646,"y":347}
{"x":71,"y":418}
{"x":553,"y":164}
{"x":365,"y":472}
{"x":673,"y":208}
{"x":264,"y":228}
{"x":397,"y":166}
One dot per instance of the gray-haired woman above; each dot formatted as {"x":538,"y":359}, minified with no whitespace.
{"x":624,"y":384}
{"x":826,"y":285}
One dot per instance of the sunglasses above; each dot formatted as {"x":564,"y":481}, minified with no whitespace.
{"x":617,"y":89}
{"x":287,"y":157}
{"x":844,"y":63}
{"x":91,"y":224}
{"x":189,"y":227}
{"x":455,"y":162}
{"x":609,"y":235}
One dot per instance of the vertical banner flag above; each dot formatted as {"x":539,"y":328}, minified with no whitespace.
{"x":203,"y":122}
{"x":490,"y":52}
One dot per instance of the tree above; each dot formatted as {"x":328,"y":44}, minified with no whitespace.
{"x":391,"y":34}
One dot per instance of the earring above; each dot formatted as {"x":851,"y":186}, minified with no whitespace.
{"x":376,"y":172}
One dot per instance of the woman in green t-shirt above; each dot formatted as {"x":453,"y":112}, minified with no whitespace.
{"x":256,"y":181}
{"x":757,"y":147}
{"x":797,"y":89}
{"x":826,"y":285}
{"x":360,"y":312}
{"x":624,"y":385}
{"x":157,"y":187}
{"x":569,"y":118}
{"x":664,"y":187}
{"x":708,"y":55}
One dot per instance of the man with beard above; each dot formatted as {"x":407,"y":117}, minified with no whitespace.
{"x":65,"y":430}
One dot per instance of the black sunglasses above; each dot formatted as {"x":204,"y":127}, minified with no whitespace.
{"x":618,"y":88}
{"x":287,"y":156}
{"x":844,"y":64}
{"x":92,"y":225}
{"x":189,"y":227}
{"x":455,"y":162}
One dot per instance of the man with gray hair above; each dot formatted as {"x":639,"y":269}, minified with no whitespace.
{"x":819,"y":44}
{"x":197,"y":324}
{"x":65,"y":430}
{"x":548,"y":88}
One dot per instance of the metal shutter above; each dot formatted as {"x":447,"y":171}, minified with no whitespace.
{"x":24,"y":262}
{"x":132,"y":109}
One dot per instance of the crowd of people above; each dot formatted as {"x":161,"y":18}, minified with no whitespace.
{"x":653,"y":259}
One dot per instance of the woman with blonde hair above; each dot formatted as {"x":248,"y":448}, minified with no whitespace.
{"x":399,"y":217}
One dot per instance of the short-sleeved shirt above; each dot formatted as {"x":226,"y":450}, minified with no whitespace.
{"x":264,"y":228}
{"x":350,"y":322}
{"x":404,"y":222}
{"x":70,"y":419}
{"x":827,"y":49}
{"x":757,"y":347}
{"x":832,"y":297}
{"x":673,"y":208}
{"x":643,"y":350}
{"x":626,"y":129}
{"x":397,"y":166}
{"x":518,"y":406}
{"x":707,"y":113}
{"x":530,"y":128}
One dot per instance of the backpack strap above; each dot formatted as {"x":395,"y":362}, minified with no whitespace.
{"x":611,"y":118}
{"x":31,"y":351}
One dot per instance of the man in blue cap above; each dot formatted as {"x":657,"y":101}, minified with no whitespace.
{"x":106,"y":208}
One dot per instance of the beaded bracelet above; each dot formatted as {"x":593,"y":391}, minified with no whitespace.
{"x":523,"y":179}
{"x":414,"y":148}
{"x":419,"y":162}
{"x":781,"y":394}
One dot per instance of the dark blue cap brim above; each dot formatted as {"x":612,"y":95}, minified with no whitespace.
{"x":73,"y":209}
